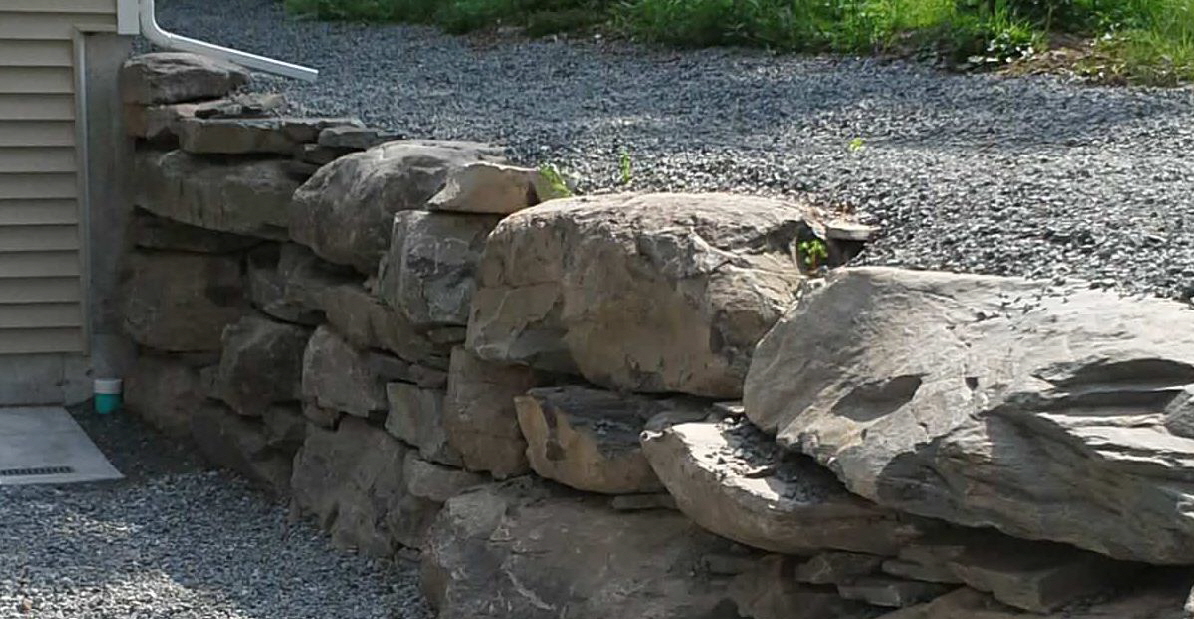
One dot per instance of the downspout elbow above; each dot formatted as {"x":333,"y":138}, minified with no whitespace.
{"x":156,"y":35}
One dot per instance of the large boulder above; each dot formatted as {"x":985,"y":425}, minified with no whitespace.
{"x":180,"y":302}
{"x":479,"y":415}
{"x":261,"y":364}
{"x":429,"y":272}
{"x":589,"y":438}
{"x":159,"y":124}
{"x":734,"y":481}
{"x":345,"y":212}
{"x":248,"y":197}
{"x":166,"y":390}
{"x":1043,"y":411}
{"x":521,"y":549}
{"x":340,"y":377}
{"x":177,"y":77}
{"x":650,"y":293}
{"x":368,"y":489}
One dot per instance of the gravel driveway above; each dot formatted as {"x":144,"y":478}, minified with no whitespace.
{"x":1028,"y":176}
{"x":175,"y":540}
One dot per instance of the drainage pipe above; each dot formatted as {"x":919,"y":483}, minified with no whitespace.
{"x":152,"y":31}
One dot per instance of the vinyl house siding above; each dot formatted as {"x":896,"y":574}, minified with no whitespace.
{"x":41,"y":250}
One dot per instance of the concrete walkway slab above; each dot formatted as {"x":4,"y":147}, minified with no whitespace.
{"x":44,"y":445}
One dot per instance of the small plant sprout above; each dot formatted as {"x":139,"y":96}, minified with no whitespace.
{"x":555,"y":178}
{"x":856,"y":145}
{"x":625,"y":167}
{"x":813,"y":253}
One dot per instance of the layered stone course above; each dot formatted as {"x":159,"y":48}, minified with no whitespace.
{"x":639,"y":405}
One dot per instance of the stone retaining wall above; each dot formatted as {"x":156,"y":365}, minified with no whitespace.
{"x":426,"y":347}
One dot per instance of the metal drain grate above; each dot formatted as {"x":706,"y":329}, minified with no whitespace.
{"x":37,"y":470}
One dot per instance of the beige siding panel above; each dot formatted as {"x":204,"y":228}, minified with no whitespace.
{"x":38,"y":133}
{"x":44,"y":26}
{"x":16,"y":53}
{"x":37,"y":107}
{"x":39,"y":264}
{"x":38,"y":238}
{"x":37,"y":186}
{"x":30,"y":341}
{"x":39,"y":290}
{"x":37,"y":80}
{"x":38,"y":213}
{"x":58,"y":159}
{"x":41,"y":315}
{"x":60,"y":6}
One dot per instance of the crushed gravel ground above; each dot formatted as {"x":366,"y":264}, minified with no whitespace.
{"x":979,"y":173}
{"x":176,"y":540}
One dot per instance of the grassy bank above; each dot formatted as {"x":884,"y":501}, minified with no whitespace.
{"x":1150,"y":41}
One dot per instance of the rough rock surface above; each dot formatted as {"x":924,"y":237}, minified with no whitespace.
{"x":835,"y":568}
{"x":261,"y":364}
{"x":429,"y":271}
{"x":148,"y":231}
{"x":769,"y":590}
{"x":252,"y":136}
{"x":479,"y":414}
{"x":175,"y":77}
{"x":251,"y":198}
{"x":891,"y":592}
{"x":367,"y":322}
{"x":289,"y":281}
{"x":520,"y":549}
{"x":653,"y":293}
{"x":1041,"y":411}
{"x":417,"y":417}
{"x":180,"y":302}
{"x":240,"y":444}
{"x":734,"y":481}
{"x":339,"y":377}
{"x":345,"y":212}
{"x":492,"y":188}
{"x":589,"y":438}
{"x":165,"y":390}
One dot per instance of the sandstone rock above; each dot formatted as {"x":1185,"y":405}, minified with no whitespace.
{"x":366,"y":322}
{"x":521,"y":549}
{"x":242,"y":105}
{"x":350,"y":480}
{"x":234,"y":442}
{"x":891,"y":592}
{"x":479,"y":415}
{"x":991,"y":402}
{"x":250,"y":197}
{"x":589,"y":438}
{"x":285,"y":428}
{"x":912,"y":570}
{"x":835,"y":568}
{"x":165,"y":391}
{"x":770,"y":591}
{"x":320,"y":155}
{"x":429,"y":272}
{"x":289,"y":281}
{"x":648,"y":293}
{"x":339,"y":377}
{"x":320,"y":416}
{"x":159,"y":124}
{"x":261,"y":364}
{"x":417,"y":417}
{"x":435,"y":482}
{"x":354,"y":138}
{"x":148,"y":231}
{"x":492,"y":188}
{"x":734,"y":481}
{"x":252,"y":136}
{"x":345,"y":212}
{"x":173,"y":77}
{"x":179,"y":301}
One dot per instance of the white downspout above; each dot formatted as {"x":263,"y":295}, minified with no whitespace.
{"x":152,"y":31}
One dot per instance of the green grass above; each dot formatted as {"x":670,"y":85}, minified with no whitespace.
{"x":1148,"y":41}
